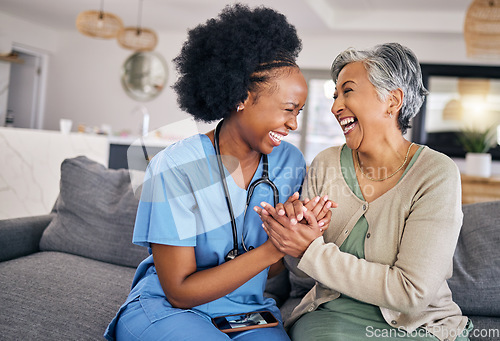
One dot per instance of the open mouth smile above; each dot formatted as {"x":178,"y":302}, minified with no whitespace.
{"x":348,"y":124}
{"x":276,"y":137}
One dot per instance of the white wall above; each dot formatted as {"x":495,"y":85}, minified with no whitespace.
{"x":84,"y":73}
{"x":439,"y":48}
{"x":21,"y":31}
{"x":84,"y":85}
{"x":84,"y":78}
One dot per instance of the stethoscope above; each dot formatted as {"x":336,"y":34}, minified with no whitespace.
{"x":263,"y":180}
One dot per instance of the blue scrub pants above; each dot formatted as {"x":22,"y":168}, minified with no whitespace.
{"x":133,"y":324}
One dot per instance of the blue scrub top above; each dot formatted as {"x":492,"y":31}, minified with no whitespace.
{"x":183,"y":204}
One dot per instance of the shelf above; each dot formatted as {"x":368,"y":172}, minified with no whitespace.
{"x":11,"y":58}
{"x":477,"y":189}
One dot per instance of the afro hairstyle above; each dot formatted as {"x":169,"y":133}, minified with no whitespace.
{"x":223,"y":59}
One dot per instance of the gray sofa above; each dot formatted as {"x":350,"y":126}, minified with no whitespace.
{"x":64,"y":275}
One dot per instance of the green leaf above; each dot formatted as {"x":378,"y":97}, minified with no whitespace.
{"x":477,"y":141}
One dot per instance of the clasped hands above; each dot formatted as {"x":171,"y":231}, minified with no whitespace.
{"x":294,"y":225}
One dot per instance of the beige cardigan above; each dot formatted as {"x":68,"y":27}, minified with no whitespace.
{"x":409,"y":246}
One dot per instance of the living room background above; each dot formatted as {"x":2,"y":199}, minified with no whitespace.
{"x":83,"y":77}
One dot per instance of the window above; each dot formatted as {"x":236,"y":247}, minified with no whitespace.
{"x":460,"y":97}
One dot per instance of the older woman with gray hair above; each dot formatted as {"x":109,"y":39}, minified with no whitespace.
{"x":381,"y":266}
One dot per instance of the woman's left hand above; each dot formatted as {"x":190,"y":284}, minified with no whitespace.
{"x":294,"y":209}
{"x":292,"y":239}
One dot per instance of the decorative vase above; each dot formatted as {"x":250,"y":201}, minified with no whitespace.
{"x":478,"y":164}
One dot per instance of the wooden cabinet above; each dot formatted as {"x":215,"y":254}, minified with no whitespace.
{"x":477,"y":189}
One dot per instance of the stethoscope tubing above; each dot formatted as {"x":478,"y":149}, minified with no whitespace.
{"x":264,"y":179}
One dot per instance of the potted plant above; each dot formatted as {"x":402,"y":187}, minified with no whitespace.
{"x":476,"y":144}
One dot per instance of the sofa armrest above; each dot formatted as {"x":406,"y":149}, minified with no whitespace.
{"x":21,"y":236}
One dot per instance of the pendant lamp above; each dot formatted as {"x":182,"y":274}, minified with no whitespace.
{"x":482,"y":29}
{"x":99,"y":24}
{"x":138,"y":38}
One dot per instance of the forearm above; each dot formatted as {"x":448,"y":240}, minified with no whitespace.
{"x":407,"y":285}
{"x":370,"y":282}
{"x":276,"y":268}
{"x":208,"y":285}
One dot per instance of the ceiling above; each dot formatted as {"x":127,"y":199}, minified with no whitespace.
{"x":309,"y":16}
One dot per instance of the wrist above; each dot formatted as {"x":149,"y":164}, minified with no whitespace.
{"x":272,"y":252}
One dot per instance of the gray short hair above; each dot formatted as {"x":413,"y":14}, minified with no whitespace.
{"x":390,"y":66}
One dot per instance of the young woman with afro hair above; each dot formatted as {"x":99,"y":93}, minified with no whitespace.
{"x":240,"y":69}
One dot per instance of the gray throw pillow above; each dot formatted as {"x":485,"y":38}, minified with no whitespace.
{"x":95,"y":214}
{"x":476,"y":262}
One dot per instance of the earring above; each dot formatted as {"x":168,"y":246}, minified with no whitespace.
{"x":390,"y":114}
{"x":238,"y":108}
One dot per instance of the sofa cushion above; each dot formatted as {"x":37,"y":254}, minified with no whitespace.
{"x":476,"y":262}
{"x":278,"y":287}
{"x":58,"y":296}
{"x":300,"y":283}
{"x":95,"y":214}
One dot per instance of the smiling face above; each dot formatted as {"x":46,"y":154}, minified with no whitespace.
{"x":269,"y":117}
{"x":357,"y":107}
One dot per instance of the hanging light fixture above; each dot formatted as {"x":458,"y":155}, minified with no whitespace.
{"x":138,"y":38}
{"x":99,"y":24}
{"x":479,"y":87}
{"x":482,"y":29}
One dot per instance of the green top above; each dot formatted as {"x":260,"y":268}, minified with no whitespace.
{"x":355,"y":242}
{"x":345,"y":317}
{"x":322,"y":314}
